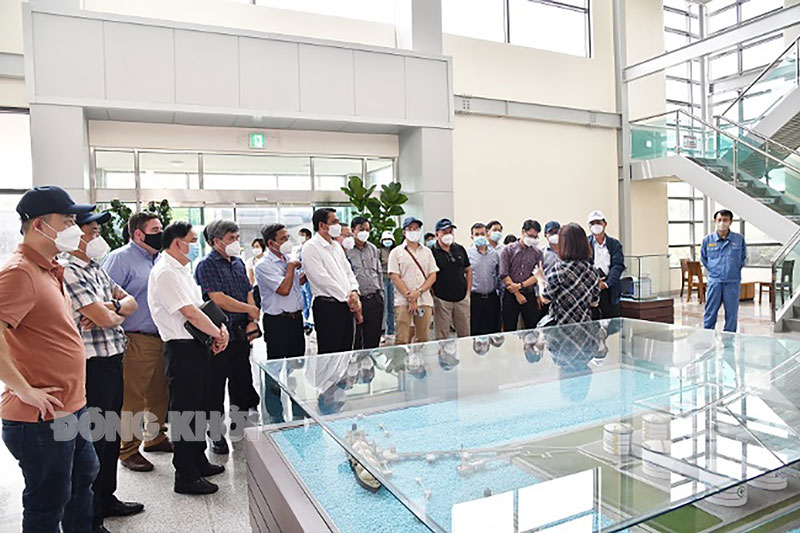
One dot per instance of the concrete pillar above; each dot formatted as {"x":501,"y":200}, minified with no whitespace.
{"x":419,"y":25}
{"x":426,"y":172}
{"x":60,"y":149}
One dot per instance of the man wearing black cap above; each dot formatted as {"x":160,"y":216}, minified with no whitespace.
{"x":551,"y":257}
{"x":99,"y":306}
{"x":43,"y":364}
{"x":451,"y":307}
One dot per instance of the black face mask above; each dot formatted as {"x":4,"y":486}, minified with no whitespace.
{"x":154,"y":240}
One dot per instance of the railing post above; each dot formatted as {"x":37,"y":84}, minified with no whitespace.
{"x":677,"y":131}
{"x":797,"y":61}
{"x":735,"y":163}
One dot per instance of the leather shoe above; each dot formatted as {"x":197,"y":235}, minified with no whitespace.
{"x":115,"y":507}
{"x":137,"y":463}
{"x":100,"y":528}
{"x":199,"y":486}
{"x":220,"y":447}
{"x":210,"y":469}
{"x":165,"y":446}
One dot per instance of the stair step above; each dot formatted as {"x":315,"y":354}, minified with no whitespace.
{"x":792,"y":324}
{"x":768,"y":200}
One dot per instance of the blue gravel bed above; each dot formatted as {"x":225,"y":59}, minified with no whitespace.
{"x":504,"y":417}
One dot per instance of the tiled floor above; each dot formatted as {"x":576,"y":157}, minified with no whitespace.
{"x":226,"y":511}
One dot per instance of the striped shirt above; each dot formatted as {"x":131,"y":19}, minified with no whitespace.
{"x":88,"y":283}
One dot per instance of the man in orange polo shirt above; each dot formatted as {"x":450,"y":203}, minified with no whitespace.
{"x":43,"y":364}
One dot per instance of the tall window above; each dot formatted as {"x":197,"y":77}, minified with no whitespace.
{"x":557,"y":25}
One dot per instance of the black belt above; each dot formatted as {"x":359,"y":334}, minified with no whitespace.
{"x":371,"y":295}
{"x":293,"y":315}
{"x":142,"y":333}
{"x":483,"y":296}
{"x":329,"y":299}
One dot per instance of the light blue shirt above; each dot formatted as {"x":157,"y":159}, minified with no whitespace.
{"x":270,"y":273}
{"x":130,"y":268}
{"x":485,"y":269}
{"x":724,"y":258}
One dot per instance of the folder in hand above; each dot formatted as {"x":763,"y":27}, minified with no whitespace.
{"x":217,"y":316}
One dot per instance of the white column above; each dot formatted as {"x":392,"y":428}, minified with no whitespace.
{"x":419,"y":25}
{"x":60,"y":149}
{"x":426,"y":172}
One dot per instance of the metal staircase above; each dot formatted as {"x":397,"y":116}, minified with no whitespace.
{"x":748,"y":173}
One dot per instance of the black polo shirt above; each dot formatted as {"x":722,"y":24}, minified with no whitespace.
{"x":451,"y":280}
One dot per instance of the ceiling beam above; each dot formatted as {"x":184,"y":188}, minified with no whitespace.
{"x":783,"y":18}
{"x":492,"y":107}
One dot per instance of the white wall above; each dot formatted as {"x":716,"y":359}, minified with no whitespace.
{"x":512,"y":170}
{"x":647,"y":96}
{"x":249,"y":17}
{"x":111,"y":134}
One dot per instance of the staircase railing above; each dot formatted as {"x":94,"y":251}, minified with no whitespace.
{"x":794,"y":49}
{"x":784,"y":263}
{"x":737,"y":142}
{"x":760,"y":136}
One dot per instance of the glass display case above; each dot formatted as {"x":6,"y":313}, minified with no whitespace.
{"x":602,"y":426}
{"x":649,"y":277}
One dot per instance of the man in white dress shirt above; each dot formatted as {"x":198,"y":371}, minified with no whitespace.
{"x":174,"y":298}
{"x":336,"y":303}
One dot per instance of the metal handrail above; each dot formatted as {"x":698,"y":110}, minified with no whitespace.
{"x":760,"y":136}
{"x":795,"y":44}
{"x":736,"y":140}
{"x":779,"y":256}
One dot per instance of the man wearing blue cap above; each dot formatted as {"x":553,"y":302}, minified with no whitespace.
{"x":413,"y":270}
{"x":451,"y":306}
{"x":43,"y":364}
{"x":99,"y":306}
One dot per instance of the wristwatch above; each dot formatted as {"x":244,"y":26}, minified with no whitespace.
{"x":117,"y":305}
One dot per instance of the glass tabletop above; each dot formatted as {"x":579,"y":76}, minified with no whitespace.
{"x":597,"y":426}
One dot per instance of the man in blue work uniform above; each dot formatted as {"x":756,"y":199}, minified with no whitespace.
{"x":723,"y":254}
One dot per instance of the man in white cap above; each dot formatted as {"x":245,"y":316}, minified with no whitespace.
{"x":609,"y":262}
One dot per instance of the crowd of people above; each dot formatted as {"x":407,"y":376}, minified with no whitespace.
{"x":135,"y":330}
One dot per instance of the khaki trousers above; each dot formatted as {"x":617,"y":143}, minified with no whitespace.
{"x":146,"y":388}
{"x":402,"y":321}
{"x":446,"y":313}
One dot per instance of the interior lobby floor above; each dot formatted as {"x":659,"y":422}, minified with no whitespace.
{"x":227,"y":510}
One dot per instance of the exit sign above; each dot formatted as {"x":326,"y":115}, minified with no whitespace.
{"x":258,"y":141}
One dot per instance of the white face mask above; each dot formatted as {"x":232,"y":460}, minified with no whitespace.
{"x":596,"y":229}
{"x":257,"y":251}
{"x":303,"y":239}
{"x":413,"y":236}
{"x":553,"y":239}
{"x":97,"y":248}
{"x":348,"y":243}
{"x":66,"y":240}
{"x":723,"y":225}
{"x":286,"y":248}
{"x":530,"y":241}
{"x":233,"y":249}
{"x":334,"y":230}
{"x":362,"y":236}
{"x":448,"y":240}
{"x":496,"y":236}
{"x":387,"y":243}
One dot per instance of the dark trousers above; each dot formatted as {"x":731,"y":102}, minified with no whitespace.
{"x":285,"y":338}
{"x":368,"y":333}
{"x":606,"y":309}
{"x":335,"y":326}
{"x":58,"y":475}
{"x":188,"y":365}
{"x":104,"y":392}
{"x":484,"y":313}
{"x":241,"y":391}
{"x":512,"y":309}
